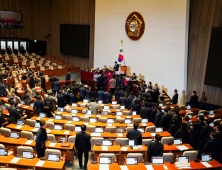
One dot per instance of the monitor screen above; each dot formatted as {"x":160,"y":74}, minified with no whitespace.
{"x":206,"y":157}
{"x":183,"y":158}
{"x":75,"y":119}
{"x":100,"y":102}
{"x":37,"y":124}
{"x":3,"y":107}
{"x":120,"y":130}
{"x":27,"y":155}
{"x":92,"y":120}
{"x":107,"y":143}
{"x":142,"y":130}
{"x":105,"y":160}
{"x":85,"y":101}
{"x":106,"y":107}
{"x":74,"y":105}
{"x":177,"y":142}
{"x":88,"y":112}
{"x":14,"y":135}
{"x":14,"y":99}
{"x":131,"y":160}
{"x":157,"y":160}
{"x":74,"y":111}
{"x":188,"y":107}
{"x":128,"y":121}
{"x":57,"y":127}
{"x":60,"y":109}
{"x":134,"y":113}
{"x":114,"y":102}
{"x":211,"y":112}
{"x":99,"y":130}
{"x":159,"y":129}
{"x":42,"y":115}
{"x":53,"y":157}
{"x":104,"y":113}
{"x":161,"y":104}
{"x":110,"y":120}
{"x":119,"y":113}
{"x":3,"y":151}
{"x":78,"y":129}
{"x":211,"y":124}
{"x":144,"y":121}
{"x":131,"y":143}
{"x":122,"y":107}
{"x":31,"y":105}
{"x":20,"y":122}
{"x":58,"y":117}
{"x":22,"y":102}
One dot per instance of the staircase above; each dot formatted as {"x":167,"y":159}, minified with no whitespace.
{"x":166,"y":98}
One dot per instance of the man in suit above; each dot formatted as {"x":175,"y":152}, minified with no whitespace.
{"x":112,"y":84}
{"x":123,"y":101}
{"x":96,"y":76}
{"x":41,"y":140}
{"x":24,"y":96}
{"x":134,"y":134}
{"x":130,"y":99}
{"x":175,"y":97}
{"x":204,"y":137}
{"x":31,"y":81}
{"x":144,"y":85}
{"x":213,"y":146}
{"x":194,"y":135}
{"x":2,"y":118}
{"x":94,"y":106}
{"x":147,"y":95}
{"x":82,"y":92}
{"x":52,"y":80}
{"x":134,"y":76}
{"x":52,"y":100}
{"x":100,"y":81}
{"x":155,"y":148}
{"x":153,"y":113}
{"x":104,"y":81}
{"x":156,"y":89}
{"x":145,"y":112}
{"x":174,"y":126}
{"x":66,"y":97}
{"x":24,"y":77}
{"x":43,"y":83}
{"x":13,"y":113}
{"x":120,"y":82}
{"x":193,"y":99}
{"x":183,"y":133}
{"x":88,"y":93}
{"x":38,"y":105}
{"x":116,"y":66}
{"x":56,"y":86}
{"x":68,"y":76}
{"x":38,"y":73}
{"x":165,"y":121}
{"x":158,"y":117}
{"x":83,"y":145}
{"x":100,"y":94}
{"x":72,"y":98}
{"x":60,"y":99}
{"x":176,"y":114}
{"x":135,"y":106}
{"x":107,"y":97}
{"x":201,"y":123}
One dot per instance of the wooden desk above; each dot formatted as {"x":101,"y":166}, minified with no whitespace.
{"x":183,"y":112}
{"x":13,"y":143}
{"x":117,"y":150}
{"x":31,"y":163}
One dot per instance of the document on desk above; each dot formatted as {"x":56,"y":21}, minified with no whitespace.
{"x":120,"y":134}
{"x":25,"y":107}
{"x":128,"y":117}
{"x":152,"y":134}
{"x":48,"y":130}
{"x":182,"y":148}
{"x":40,"y":163}
{"x":66,"y":132}
{"x":98,"y":116}
{"x":104,"y":148}
{"x":109,"y":124}
{"x":206,"y":164}
{"x":68,"y":122}
{"x":135,"y":147}
{"x":124,"y":167}
{"x":28,"y":142}
{"x":144,"y":124}
{"x":18,"y":127}
{"x":35,"y":130}
{"x":52,"y":144}
{"x":86,"y":123}
{"x":149,"y":167}
{"x":50,"y":120}
{"x":15,"y":160}
{"x":103,"y":167}
{"x":95,"y":134}
{"x":130,"y":124}
{"x":124,"y":148}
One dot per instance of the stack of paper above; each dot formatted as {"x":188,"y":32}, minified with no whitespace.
{"x":130,"y":124}
{"x":109,"y":124}
{"x":68,"y":122}
{"x":98,"y":116}
{"x":206,"y":164}
{"x":50,"y":120}
{"x":144,"y":124}
{"x":149,"y":167}
{"x":182,"y":148}
{"x":182,"y":165}
{"x":86,"y":123}
{"x":25,"y":107}
{"x":48,"y":130}
{"x":95,"y":134}
{"x":18,"y":127}
{"x":52,"y":144}
{"x":152,"y":134}
{"x":119,"y":134}
{"x":104,"y":148}
{"x":135,"y":147}
{"x":28,"y":142}
{"x":124,"y":167}
{"x":15,"y":160}
{"x":165,"y":167}
{"x":35,"y":130}
{"x":124,"y":148}
{"x":40,"y":163}
{"x":66,"y":132}
{"x":103,"y":167}
{"x":128,"y":117}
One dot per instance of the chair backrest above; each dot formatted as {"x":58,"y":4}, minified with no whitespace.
{"x":103,"y":120}
{"x":51,"y":137}
{"x":26,"y":134}
{"x":30,"y":122}
{"x":138,"y":155}
{"x":146,"y":141}
{"x":2,"y":146}
{"x":128,"y":113}
{"x":121,"y":141}
{"x":217,"y":120}
{"x":46,"y":64}
{"x":202,"y":111}
{"x":138,"y":120}
{"x":67,"y":117}
{"x":128,"y":128}
{"x":112,"y":155}
{"x":51,"y":67}
{"x":150,"y":129}
{"x":95,"y":140}
{"x":167,"y":140}
{"x":23,"y":148}
{"x":69,"y":127}
{"x":90,"y":128}
{"x":42,"y":68}
{"x":182,"y":107}
{"x":85,"y":119}
{"x":50,"y":125}
{"x":72,"y":139}
{"x":5,"y":131}
{"x":52,"y":151}
{"x":192,"y":155}
{"x":115,"y":106}
{"x":168,"y":157}
{"x":110,"y":129}
{"x":120,"y":120}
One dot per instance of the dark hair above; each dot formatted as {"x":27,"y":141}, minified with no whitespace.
{"x":219,"y":127}
{"x":135,"y":125}
{"x":175,"y":119}
{"x":195,"y":125}
{"x":201,"y":117}
{"x":38,"y":97}
{"x":208,"y":121}
{"x":83,"y":127}
{"x":166,"y":110}
{"x":42,"y":123}
{"x":214,"y":134}
{"x":184,"y":126}
{"x":115,"y":61}
{"x":158,"y":108}
{"x":177,"y":111}
{"x":158,"y":137}
{"x":175,"y":90}
{"x":131,"y":93}
{"x":169,"y":108}
{"x":11,"y":102}
{"x":187,"y":118}
{"x":194,"y":92}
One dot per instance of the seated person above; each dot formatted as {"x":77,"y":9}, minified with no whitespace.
{"x":155,"y":148}
{"x":135,"y":134}
{"x":134,"y":76}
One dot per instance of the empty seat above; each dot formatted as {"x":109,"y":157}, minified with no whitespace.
{"x":52,"y":151}
{"x":102,"y":119}
{"x":5,"y":131}
{"x":84,"y":119}
{"x":69,"y":127}
{"x":67,"y":117}
{"x":83,"y":111}
{"x":96,"y":140}
{"x":112,"y":155}
{"x":2,"y":146}
{"x":189,"y":113}
{"x":138,"y":120}
{"x":128,"y":113}
{"x":51,"y":137}
{"x":110,"y":129}
{"x":150,"y":129}
{"x":72,"y":139}
{"x":120,"y":120}
{"x":202,"y":111}
{"x":182,"y":107}
{"x":115,"y":106}
{"x":90,"y":128}
{"x":30,"y":122}
{"x":50,"y":125}
{"x":139,"y":156}
{"x":168,"y":157}
{"x":192,"y":155}
{"x":26,"y":134}
{"x":167,"y":140}
{"x":24,"y":148}
{"x":146,"y":141}
{"x":121,"y":141}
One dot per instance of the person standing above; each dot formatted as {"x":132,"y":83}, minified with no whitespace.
{"x":41,"y":140}
{"x":116,"y":66}
{"x":43,"y":83}
{"x":165,"y":120}
{"x":93,"y":106}
{"x":56,"y":86}
{"x":175,"y":97}
{"x":52,"y":80}
{"x":155,"y":148}
{"x":134,"y":134}
{"x":2,"y":118}
{"x":82,"y":92}
{"x":38,"y":105}
{"x":112,"y":85}
{"x":83,"y":145}
{"x":104,"y":81}
{"x":68,"y":76}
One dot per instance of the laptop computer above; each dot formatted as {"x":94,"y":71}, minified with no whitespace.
{"x":105,"y":160}
{"x":31,"y":105}
{"x":128,"y":121}
{"x":53,"y":157}
{"x":183,"y":158}
{"x":88,"y":112}
{"x":78,"y":129}
{"x":3,"y":151}
{"x":114,"y":102}
{"x":62,"y":139}
{"x":85,"y":101}
{"x":75,"y":119}
{"x":211,"y":112}
{"x":60,"y":109}
{"x":156,"y":160}
{"x":144,"y":121}
{"x":159,"y":129}
{"x":161,"y":104}
{"x":106,"y":107}
{"x":74,"y":111}
{"x":131,"y":161}
{"x":74,"y":105}
{"x":107,"y":143}
{"x":14,"y":135}
{"x":131,"y":142}
{"x":119,"y":113}
{"x":20,"y":122}
{"x":122,"y":107}
{"x":58,"y":117}
{"x":142,"y":130}
{"x":37,"y":124}
{"x":42,"y":115}
{"x":188,"y":107}
{"x":178,"y":141}
{"x":57,"y":127}
{"x":3,"y":107}
{"x":99,"y":130}
{"x":134,"y":113}
{"x":27,"y":154}
{"x":100,"y":102}
{"x":110,"y":120}
{"x":105,"y":113}
{"x":206,"y":157}
{"x":93,"y":120}
{"x":22,"y":103}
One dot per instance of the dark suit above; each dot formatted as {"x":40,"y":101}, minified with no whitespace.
{"x":158,"y":119}
{"x":130,"y":100}
{"x":38,"y":105}
{"x":100,"y":82}
{"x":135,"y":134}
{"x":48,"y":99}
{"x":133,"y":77}
{"x":89,"y":94}
{"x":107,"y":98}
{"x":219,"y":136}
{"x":82,"y":92}
{"x":60,"y":100}
{"x":120,"y":83}
{"x":2,"y":118}
{"x":52,"y":80}
{"x":153,"y":115}
{"x":83,"y":145}
{"x":194,"y":136}
{"x":116,"y":67}
{"x":184,"y":134}
{"x":72,"y":99}
{"x":123,"y":101}
{"x":193,"y":100}
{"x":43,"y":84}
{"x":179,"y":119}
{"x":13,"y":114}
{"x":154,"y":149}
{"x":104,"y":82}
{"x":145,"y":113}
{"x":213,"y":146}
{"x":100,"y":95}
{"x":31,"y":81}
{"x":117,"y":96}
{"x":173,"y":128}
{"x":66,"y":97}
{"x":175,"y":98}
{"x":68,"y":76}
{"x":165,"y":121}
{"x":135,"y":107}
{"x":24,"y":77}
{"x":200,"y":124}
{"x":147,"y":95}
{"x":41,"y":137}
{"x":24,"y":96}
{"x":56,"y":87}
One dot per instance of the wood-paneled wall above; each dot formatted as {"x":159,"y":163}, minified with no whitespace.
{"x":42,"y":16}
{"x":204,"y":14}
